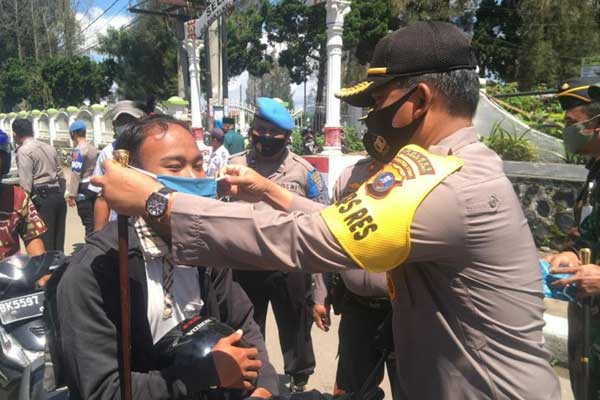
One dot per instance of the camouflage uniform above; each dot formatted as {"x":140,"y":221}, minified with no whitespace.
{"x":588,"y":236}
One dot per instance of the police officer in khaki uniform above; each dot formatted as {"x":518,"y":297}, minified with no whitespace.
{"x":361,"y":299}
{"x":83,"y":161}
{"x":365,"y":346}
{"x":287,"y":291}
{"x":434,"y":210}
{"x":41,"y":176}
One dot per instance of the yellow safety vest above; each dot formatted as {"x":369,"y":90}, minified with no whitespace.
{"x":373,"y":224}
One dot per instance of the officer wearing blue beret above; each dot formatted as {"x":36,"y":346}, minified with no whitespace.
{"x":287,"y":292}
{"x":83,"y":161}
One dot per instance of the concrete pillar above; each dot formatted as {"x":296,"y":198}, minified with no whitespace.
{"x":52,"y":112}
{"x":336,"y":11}
{"x":97,"y":113}
{"x":35,"y":122}
{"x":194,"y":46}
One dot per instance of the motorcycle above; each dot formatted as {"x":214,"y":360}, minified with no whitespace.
{"x":22,"y":330}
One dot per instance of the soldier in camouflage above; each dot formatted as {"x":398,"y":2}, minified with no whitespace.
{"x":582,"y":126}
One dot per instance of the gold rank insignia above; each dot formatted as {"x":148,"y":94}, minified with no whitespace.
{"x":351,"y":91}
{"x":564,"y":86}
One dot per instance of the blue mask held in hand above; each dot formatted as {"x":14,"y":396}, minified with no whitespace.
{"x":205,"y":187}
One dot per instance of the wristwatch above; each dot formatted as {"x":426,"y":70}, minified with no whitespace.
{"x":156,"y":204}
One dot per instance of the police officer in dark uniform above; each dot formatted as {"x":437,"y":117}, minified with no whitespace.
{"x":582,"y":118}
{"x":41,"y":176}
{"x":287,"y":291}
{"x":83,"y":161}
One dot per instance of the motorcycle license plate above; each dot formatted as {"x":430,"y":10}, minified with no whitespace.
{"x":20,"y":308}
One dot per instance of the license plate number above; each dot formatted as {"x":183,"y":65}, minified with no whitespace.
{"x":20,"y":308}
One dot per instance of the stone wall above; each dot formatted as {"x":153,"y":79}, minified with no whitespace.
{"x":548,"y":193}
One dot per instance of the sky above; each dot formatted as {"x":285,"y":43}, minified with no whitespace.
{"x":95,"y":24}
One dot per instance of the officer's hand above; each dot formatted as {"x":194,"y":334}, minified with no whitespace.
{"x":246,"y":184}
{"x":261,"y":393}
{"x":321,"y":316}
{"x":242,"y":182}
{"x":71,"y":201}
{"x":124,"y":189}
{"x":586,"y":277}
{"x":561,"y":260}
{"x":237,"y":367}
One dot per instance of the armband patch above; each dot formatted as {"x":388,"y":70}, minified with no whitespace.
{"x":76,"y":161}
{"x":373,"y":224}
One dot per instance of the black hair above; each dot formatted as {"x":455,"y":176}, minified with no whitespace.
{"x":79,"y":132}
{"x":459,"y":88}
{"x":592,"y":109}
{"x":22,"y":127}
{"x":135,"y":133}
{"x":220,"y":139}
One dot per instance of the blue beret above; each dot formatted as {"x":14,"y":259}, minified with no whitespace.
{"x":76,"y":126}
{"x":273,"y":111}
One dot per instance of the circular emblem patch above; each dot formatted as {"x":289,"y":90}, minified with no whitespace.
{"x":382,"y":184}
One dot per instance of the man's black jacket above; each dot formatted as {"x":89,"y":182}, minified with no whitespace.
{"x":87,"y":307}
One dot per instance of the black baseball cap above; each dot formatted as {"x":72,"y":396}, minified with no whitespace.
{"x":421,"y":48}
{"x":594,"y":91}
{"x":574,"y":92}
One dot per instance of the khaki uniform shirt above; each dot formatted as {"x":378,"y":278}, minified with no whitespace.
{"x":38,"y":164}
{"x":83,"y":162}
{"x":289,"y":171}
{"x":358,"y":281}
{"x":467,"y":301}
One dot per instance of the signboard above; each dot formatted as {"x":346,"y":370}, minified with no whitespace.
{"x":214,"y":9}
{"x":179,"y":3}
{"x":590,"y":71}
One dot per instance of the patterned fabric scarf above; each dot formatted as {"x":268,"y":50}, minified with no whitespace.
{"x":154,"y":246}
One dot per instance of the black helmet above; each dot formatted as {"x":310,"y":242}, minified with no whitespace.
{"x":6,"y":150}
{"x":189,"y":343}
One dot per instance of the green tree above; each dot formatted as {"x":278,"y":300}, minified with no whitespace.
{"x":302,"y":30}
{"x":368,"y":22}
{"x":557,"y":35}
{"x":457,"y":11}
{"x":17,"y":85}
{"x":38,"y":29}
{"x":71,"y":80}
{"x":245,"y":49}
{"x":536,"y":42}
{"x":497,"y":38}
{"x":276,"y":84}
{"x":144,"y":57}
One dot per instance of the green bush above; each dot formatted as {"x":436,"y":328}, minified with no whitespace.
{"x":297,"y":141}
{"x":543,"y":114}
{"x":511,"y":146}
{"x":352,"y":143}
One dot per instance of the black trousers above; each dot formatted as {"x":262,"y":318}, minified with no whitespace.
{"x":358,"y":354}
{"x":288,"y":294}
{"x":53,"y":210}
{"x":85,"y":209}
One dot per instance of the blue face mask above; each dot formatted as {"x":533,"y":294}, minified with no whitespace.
{"x":205,"y":187}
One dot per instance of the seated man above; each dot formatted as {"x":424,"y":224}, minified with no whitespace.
{"x":162,"y":296}
{"x":18,"y":216}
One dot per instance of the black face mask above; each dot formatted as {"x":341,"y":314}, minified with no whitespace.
{"x":269,"y":146}
{"x":382,"y":140}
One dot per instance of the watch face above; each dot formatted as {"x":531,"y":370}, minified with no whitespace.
{"x":156,"y":205}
